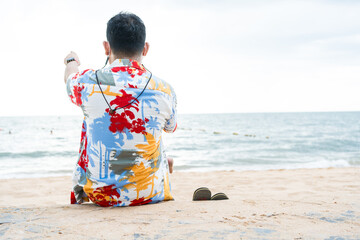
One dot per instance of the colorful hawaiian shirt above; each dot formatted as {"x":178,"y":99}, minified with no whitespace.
{"x":121,"y":159}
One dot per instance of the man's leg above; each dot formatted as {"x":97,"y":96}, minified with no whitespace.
{"x":171,"y":163}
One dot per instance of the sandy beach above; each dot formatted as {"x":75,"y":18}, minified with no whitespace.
{"x":274,"y":204}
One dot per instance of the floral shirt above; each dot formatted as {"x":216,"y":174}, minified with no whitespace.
{"x":121,"y":159}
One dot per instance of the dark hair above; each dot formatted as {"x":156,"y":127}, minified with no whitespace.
{"x":126,"y":34}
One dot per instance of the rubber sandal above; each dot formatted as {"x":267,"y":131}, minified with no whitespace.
{"x":202,"y":193}
{"x":219,"y":196}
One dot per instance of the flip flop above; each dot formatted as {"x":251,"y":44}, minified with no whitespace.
{"x":219,"y":196}
{"x":202,"y":193}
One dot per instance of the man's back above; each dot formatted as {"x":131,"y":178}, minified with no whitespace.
{"x":121,"y":159}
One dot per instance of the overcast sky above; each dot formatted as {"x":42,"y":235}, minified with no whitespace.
{"x":220,"y":56}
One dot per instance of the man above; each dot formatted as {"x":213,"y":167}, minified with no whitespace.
{"x":121,"y":159}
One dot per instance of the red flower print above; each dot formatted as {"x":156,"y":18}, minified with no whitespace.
{"x":138,"y":126}
{"x":125,"y":119}
{"x":105,"y":196}
{"x":140,"y":201}
{"x":76,"y":99}
{"x":117,"y":69}
{"x":84,"y":72}
{"x":122,"y":69}
{"x":84,"y":158}
{"x":72,"y":198}
{"x":135,"y":65}
{"x":75,"y":76}
{"x":140,"y":69}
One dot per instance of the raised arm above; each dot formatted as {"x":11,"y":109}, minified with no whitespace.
{"x":72,"y":64}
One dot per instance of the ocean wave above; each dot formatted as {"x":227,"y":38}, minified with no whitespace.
{"x":262,"y":167}
{"x":36,"y":154}
{"x":204,"y":142}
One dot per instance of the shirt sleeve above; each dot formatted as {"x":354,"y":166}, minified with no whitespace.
{"x":171,"y":123}
{"x":75,"y":85}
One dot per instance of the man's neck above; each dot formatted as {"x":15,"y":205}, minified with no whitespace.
{"x":112,"y":58}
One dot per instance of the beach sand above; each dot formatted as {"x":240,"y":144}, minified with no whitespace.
{"x":274,"y":204}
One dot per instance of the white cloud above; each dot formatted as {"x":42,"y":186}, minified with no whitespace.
{"x":228,"y":56}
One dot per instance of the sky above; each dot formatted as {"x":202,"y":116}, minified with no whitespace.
{"x":220,"y":56}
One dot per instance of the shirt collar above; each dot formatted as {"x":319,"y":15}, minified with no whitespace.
{"x":127,"y":63}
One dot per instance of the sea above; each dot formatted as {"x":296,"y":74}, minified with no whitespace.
{"x":46,"y":146}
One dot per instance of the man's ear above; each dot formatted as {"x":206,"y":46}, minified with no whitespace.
{"x":146,"y":49}
{"x":107,"y":48}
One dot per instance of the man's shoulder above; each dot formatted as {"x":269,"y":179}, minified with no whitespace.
{"x":161,"y":85}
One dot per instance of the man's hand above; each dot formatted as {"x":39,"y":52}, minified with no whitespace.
{"x":71,"y":67}
{"x":72,"y":55}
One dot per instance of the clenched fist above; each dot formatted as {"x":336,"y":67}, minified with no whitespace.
{"x":72,"y":55}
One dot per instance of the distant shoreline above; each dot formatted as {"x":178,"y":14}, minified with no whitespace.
{"x":216,"y":113}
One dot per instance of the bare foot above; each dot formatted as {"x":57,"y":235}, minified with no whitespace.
{"x":171,"y":163}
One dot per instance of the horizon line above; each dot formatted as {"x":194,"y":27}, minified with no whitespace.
{"x":216,"y":113}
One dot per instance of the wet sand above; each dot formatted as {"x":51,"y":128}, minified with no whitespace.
{"x":276,"y":204}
